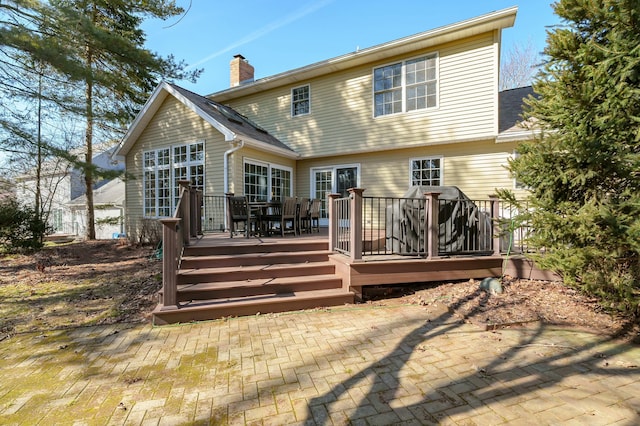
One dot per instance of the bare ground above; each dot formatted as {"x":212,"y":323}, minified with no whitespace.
{"x":522,"y":302}
{"x":105,"y":282}
{"x":78,"y":284}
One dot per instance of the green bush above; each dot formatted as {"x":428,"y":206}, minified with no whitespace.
{"x":582,"y":171}
{"x":21,"y":230}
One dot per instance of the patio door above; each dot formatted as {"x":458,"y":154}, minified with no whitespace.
{"x":333,"y":179}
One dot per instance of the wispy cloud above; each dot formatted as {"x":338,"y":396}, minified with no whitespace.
{"x":292,"y":17}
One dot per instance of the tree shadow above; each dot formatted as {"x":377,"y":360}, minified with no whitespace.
{"x":469,"y":391}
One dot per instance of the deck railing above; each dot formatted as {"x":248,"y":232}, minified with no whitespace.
{"x":342,"y":214}
{"x":177,"y":232}
{"x":213,"y":213}
{"x":426,"y":227}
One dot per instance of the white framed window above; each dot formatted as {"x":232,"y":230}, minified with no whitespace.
{"x":266,"y":181}
{"x":163,"y":168}
{"x":426,"y":171}
{"x":188,"y":164}
{"x":300,"y":101}
{"x":55,"y":220}
{"x":406,"y":86}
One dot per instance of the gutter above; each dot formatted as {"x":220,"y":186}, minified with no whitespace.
{"x":225,"y":177}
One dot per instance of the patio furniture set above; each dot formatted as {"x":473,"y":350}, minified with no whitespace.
{"x":277,"y":217}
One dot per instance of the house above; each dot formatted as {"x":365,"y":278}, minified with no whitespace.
{"x":7,"y":190}
{"x":108,"y":204}
{"x":421,"y":110}
{"x":62,"y":186}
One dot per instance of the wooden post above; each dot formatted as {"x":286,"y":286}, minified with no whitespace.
{"x":227,"y":213}
{"x":186,"y":212}
{"x":355,"y":224}
{"x":333,"y":224}
{"x":196,"y":212}
{"x":432,"y":210}
{"x":495,"y":224}
{"x":169,"y":261}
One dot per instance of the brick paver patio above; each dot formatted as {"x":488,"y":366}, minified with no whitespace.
{"x":351,"y":365}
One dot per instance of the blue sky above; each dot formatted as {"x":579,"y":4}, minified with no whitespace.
{"x":280,"y":35}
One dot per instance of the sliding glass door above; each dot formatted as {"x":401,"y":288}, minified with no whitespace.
{"x":333,"y":179}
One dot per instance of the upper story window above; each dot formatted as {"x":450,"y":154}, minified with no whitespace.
{"x":406,"y":86}
{"x":300,"y":101}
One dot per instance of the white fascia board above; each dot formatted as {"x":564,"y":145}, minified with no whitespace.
{"x":142,"y":119}
{"x":497,"y":20}
{"x":229,"y":136}
{"x":149,"y":110}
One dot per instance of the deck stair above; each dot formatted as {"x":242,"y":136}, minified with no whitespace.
{"x":257,"y":277}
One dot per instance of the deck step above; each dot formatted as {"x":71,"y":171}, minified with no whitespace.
{"x":247,"y":259}
{"x":269,"y":303}
{"x":253,"y":272}
{"x":231,"y":289}
{"x":245,"y":246}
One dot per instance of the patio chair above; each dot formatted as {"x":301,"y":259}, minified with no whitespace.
{"x":238,"y":211}
{"x":314,"y":215}
{"x":304,"y":220}
{"x":285,"y":216}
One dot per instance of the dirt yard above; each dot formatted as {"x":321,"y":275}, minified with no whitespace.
{"x":78,"y":284}
{"x":104,"y":282}
{"x":522,"y":302}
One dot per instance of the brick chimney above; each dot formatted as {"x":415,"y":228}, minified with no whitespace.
{"x":241,"y":71}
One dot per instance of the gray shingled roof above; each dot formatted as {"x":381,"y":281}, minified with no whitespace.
{"x":230,"y":118}
{"x":511,"y":103}
{"x":111,"y":193}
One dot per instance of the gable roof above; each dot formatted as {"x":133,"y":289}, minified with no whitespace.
{"x":233,"y":125}
{"x":56,"y":166}
{"x":111,"y":193}
{"x":510,"y":109}
{"x":481,"y":24}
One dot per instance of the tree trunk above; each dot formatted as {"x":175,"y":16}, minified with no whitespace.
{"x":88,"y":171}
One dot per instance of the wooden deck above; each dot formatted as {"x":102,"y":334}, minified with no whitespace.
{"x":221,"y":276}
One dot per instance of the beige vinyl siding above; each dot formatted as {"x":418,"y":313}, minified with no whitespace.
{"x":477,"y":168}
{"x":173,"y":124}
{"x":236,"y":166}
{"x":341,"y":120}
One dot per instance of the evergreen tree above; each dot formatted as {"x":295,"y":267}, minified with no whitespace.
{"x":117,"y":72}
{"x":584,"y":171}
{"x":98,"y":47}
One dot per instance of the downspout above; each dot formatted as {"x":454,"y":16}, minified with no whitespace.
{"x":227,"y":154}
{"x":225,"y":172}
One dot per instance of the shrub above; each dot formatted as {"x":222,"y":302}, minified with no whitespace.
{"x":21,"y":230}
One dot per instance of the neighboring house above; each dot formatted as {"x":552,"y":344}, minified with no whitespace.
{"x":108,"y":204}
{"x":60,"y":184}
{"x":421,"y":110}
{"x":7,"y":189}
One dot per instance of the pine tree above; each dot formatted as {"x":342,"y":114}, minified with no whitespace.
{"x":584,"y":171}
{"x":98,"y":47}
{"x":117,"y":72}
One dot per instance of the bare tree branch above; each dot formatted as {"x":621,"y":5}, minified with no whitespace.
{"x":519,"y":65}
